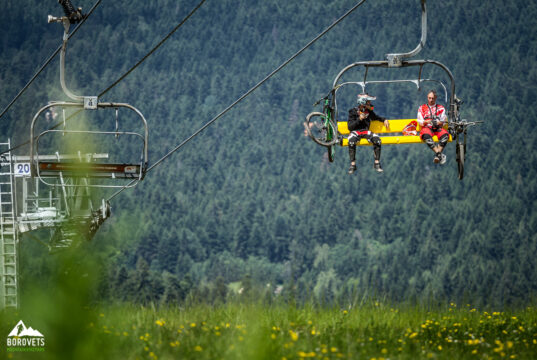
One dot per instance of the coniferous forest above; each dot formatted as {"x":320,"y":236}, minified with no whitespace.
{"x":253,"y":206}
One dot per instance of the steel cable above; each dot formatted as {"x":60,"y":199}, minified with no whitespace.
{"x":153,"y":50}
{"x":115,"y":82}
{"x":48,"y":61}
{"x":210,"y":122}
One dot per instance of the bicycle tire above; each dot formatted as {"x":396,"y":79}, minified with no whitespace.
{"x":460,"y":160}
{"x":331,"y":153}
{"x":318,"y":132}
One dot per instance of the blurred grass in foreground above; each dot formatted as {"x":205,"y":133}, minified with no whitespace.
{"x":278,"y":331}
{"x":77,"y":327}
{"x":373,"y":331}
{"x":61,"y":309}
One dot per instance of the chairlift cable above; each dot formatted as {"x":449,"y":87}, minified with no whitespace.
{"x":244,"y":95}
{"x":45,"y":65}
{"x":115,"y":82}
{"x":153,"y":50}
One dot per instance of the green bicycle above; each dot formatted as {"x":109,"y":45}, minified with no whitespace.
{"x":321,"y":127}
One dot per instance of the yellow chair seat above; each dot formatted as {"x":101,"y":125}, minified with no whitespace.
{"x":393,"y":136}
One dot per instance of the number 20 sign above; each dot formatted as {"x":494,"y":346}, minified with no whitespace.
{"x":22,"y":169}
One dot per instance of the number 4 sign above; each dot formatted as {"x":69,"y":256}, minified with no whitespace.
{"x":90,"y":102}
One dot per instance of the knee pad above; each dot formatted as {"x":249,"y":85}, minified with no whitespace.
{"x":376,"y":140}
{"x":353,"y":139}
{"x":428,"y":140}
{"x":443,"y":140}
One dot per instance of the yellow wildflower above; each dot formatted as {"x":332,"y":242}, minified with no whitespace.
{"x":294,"y":335}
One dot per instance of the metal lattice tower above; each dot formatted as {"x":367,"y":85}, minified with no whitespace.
{"x":8,"y":233}
{"x":66,"y":210}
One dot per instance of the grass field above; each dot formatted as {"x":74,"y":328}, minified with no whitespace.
{"x":256,"y":331}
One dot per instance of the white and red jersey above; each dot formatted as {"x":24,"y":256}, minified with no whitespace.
{"x":427,"y":112}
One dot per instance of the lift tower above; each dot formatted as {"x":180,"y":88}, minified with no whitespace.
{"x":8,"y":232}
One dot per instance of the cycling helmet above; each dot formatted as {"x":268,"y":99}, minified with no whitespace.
{"x":362,"y":99}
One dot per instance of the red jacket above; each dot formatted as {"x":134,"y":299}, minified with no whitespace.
{"x":426,"y":112}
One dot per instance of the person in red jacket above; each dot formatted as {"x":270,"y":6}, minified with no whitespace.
{"x":360,"y":118}
{"x":431,"y":117}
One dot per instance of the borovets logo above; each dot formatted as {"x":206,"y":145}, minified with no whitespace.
{"x":22,"y":338}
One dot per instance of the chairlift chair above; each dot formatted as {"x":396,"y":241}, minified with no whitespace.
{"x":82,"y":164}
{"x":323,"y":128}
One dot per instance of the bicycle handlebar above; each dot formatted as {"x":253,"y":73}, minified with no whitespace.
{"x":467,"y":123}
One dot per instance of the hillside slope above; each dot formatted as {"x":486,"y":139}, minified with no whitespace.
{"x":251,"y":196}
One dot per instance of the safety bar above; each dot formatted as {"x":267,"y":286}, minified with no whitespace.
{"x":453,"y":106}
{"x":416,"y":82}
{"x":127,"y":172}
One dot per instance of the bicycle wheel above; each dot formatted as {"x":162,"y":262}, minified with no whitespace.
{"x":320,"y":129}
{"x":460,"y":160}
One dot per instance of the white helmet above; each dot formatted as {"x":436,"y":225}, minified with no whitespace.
{"x":362,"y":99}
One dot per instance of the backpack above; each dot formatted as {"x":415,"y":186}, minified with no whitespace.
{"x":410,"y":129}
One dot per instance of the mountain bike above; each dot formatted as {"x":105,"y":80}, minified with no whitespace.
{"x":322,"y":128}
{"x":457,"y":128}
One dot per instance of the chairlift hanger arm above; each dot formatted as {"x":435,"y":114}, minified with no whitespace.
{"x":396,"y":60}
{"x":72,"y":16}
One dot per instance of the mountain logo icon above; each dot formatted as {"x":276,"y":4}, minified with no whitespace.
{"x":21,"y":330}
